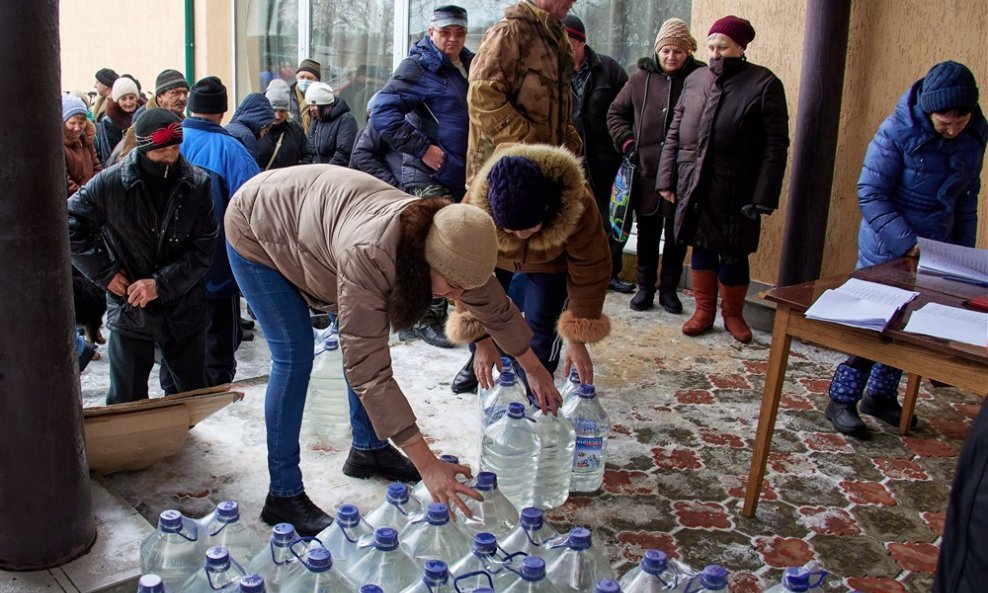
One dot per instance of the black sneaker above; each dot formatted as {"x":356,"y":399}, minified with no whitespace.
{"x":387,"y":463}
{"x":465,"y":380}
{"x":618,"y":285}
{"x":307,"y":518}
{"x":845,"y":419}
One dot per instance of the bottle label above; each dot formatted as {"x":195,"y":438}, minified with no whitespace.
{"x":586,"y":426}
{"x":589,"y":454}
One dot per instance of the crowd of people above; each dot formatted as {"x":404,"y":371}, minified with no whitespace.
{"x":477,"y":175}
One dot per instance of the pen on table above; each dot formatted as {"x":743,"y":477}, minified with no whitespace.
{"x":965,"y":280}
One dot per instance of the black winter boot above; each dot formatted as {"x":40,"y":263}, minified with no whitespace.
{"x":845,"y":391}
{"x":880,"y":398}
{"x":307,"y":518}
{"x":465,"y":380}
{"x":432,"y":329}
{"x":387,"y":463}
{"x":643,"y":300}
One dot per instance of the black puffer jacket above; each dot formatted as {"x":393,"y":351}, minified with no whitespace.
{"x":294,"y":149}
{"x":604,"y":82}
{"x":176,"y":249}
{"x":332,"y":136}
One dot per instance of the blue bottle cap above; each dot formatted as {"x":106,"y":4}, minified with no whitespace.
{"x":654,"y":562}
{"x":485,"y":481}
{"x":586,"y":391}
{"x":386,"y":539}
{"x":485,"y":543}
{"x":435,"y":570}
{"x":796,"y":579}
{"x":506,"y":378}
{"x":437,"y":514}
{"x":170,"y":521}
{"x":150,"y":583}
{"x":228,"y":511}
{"x":607,"y":586}
{"x":331,"y":342}
{"x":579,"y":539}
{"x":574,"y":377}
{"x":318,"y":559}
{"x":531,"y":518}
{"x":397,"y":493}
{"x":714,"y":577}
{"x":450,"y":458}
{"x":348,"y":515}
{"x":252,"y":583}
{"x":371,"y":589}
{"x":217,"y":558}
{"x":532,"y":568}
{"x":506,"y":362}
{"x":283,"y":534}
{"x":516,"y":410}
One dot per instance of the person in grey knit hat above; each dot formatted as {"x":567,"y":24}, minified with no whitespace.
{"x":286,"y":144}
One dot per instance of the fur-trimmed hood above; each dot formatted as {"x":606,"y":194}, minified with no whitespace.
{"x":87,"y":138}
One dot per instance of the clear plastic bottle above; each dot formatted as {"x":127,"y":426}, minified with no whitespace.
{"x":592,"y":426}
{"x":555,"y":469}
{"x":800,"y":579}
{"x":607,"y":586}
{"x":533,"y":578}
{"x":320,"y":575}
{"x":432,"y":537}
{"x":507,"y":390}
{"x":567,"y":389}
{"x":495,"y":514}
{"x":655,"y":573}
{"x":578,"y":566}
{"x":712,"y":578}
{"x":396,"y":510}
{"x":506,"y":367}
{"x":254,"y":583}
{"x":218,"y":574}
{"x":482,"y":563}
{"x":343,"y":537}
{"x":422,"y":494}
{"x":152,"y":583}
{"x":533,"y":536}
{"x":327,"y":407}
{"x":510,"y":449}
{"x":435,"y":579}
{"x":385,"y":564}
{"x":277,"y":563}
{"x":172,"y":551}
{"x":223,"y":528}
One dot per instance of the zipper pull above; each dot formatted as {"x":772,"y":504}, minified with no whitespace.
{"x":166,"y":170}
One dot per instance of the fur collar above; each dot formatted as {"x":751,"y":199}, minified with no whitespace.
{"x":409,"y":301}
{"x":117,"y":115}
{"x":564,"y":214}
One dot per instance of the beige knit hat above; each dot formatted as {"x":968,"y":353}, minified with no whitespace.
{"x":675,"y":32}
{"x":462,"y":245}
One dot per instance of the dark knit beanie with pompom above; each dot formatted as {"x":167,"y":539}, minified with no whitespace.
{"x":519,"y":193}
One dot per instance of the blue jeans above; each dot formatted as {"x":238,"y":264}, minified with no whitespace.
{"x":284,"y":318}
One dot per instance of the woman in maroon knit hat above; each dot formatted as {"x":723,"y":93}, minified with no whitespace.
{"x":722,"y":165}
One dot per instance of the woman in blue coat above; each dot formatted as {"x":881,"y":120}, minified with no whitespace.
{"x":921,"y":178}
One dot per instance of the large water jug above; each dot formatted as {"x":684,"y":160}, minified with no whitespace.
{"x":532,"y":578}
{"x":327,"y":407}
{"x":508,"y":390}
{"x":712,"y":578}
{"x":396,"y":510}
{"x":172,"y":551}
{"x":152,"y":583}
{"x":655,"y":573}
{"x":385,"y":564}
{"x":592,"y":426}
{"x":320,"y":575}
{"x":218,"y":574}
{"x":223,"y":528}
{"x":579,"y":565}
{"x":431,"y":536}
{"x":342,"y":538}
{"x":422,"y":494}
{"x":800,"y":579}
{"x":253,"y":583}
{"x":569,"y":386}
{"x":555,"y":468}
{"x":506,"y":367}
{"x":435,"y":579}
{"x":481,"y":568}
{"x":278,"y":562}
{"x":533,"y":536}
{"x":511,"y":449}
{"x":494,"y":514}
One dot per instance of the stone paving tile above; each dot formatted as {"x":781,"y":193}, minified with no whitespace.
{"x":736,"y":486}
{"x":725,"y":460}
{"x":856,"y":555}
{"x":927,"y":447}
{"x":897,"y":468}
{"x":840,"y":466}
{"x":940,"y":470}
{"x":703,"y":515}
{"x":918,"y":582}
{"x":915,"y":557}
{"x":782,"y":552}
{"x":730,"y":548}
{"x":922,"y":496}
{"x":951,"y":428}
{"x":809,"y":490}
{"x":935,"y":521}
{"x":703,"y":485}
{"x":877,"y":585}
{"x":878,"y":444}
{"x":829,"y":521}
{"x":859,"y":492}
{"x":773,"y":518}
{"x":892,"y":523}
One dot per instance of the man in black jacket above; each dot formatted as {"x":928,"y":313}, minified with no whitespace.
{"x":145,"y":231}
{"x":597,"y":79}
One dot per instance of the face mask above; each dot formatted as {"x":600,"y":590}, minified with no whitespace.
{"x":304,"y":84}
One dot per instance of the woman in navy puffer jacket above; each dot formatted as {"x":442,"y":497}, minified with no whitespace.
{"x":921,"y":178}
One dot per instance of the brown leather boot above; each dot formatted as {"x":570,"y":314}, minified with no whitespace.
{"x":705,"y":292}
{"x":731,"y":308}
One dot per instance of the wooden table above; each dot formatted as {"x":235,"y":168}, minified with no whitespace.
{"x":957,"y":364}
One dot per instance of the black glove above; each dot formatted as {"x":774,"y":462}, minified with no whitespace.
{"x":752,"y":211}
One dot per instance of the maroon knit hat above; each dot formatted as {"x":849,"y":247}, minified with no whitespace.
{"x":737,"y":28}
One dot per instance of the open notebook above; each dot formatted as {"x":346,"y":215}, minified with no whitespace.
{"x":950,"y":323}
{"x":858,"y":303}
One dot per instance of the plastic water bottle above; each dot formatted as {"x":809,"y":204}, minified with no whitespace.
{"x":433,"y":537}
{"x":569,"y":386}
{"x":343,"y":537}
{"x":254,"y":583}
{"x":223,"y":528}
{"x":511,"y":449}
{"x":607,"y":586}
{"x":555,"y":469}
{"x":386,"y":563}
{"x":371,"y":589}
{"x":506,"y":367}
{"x":800,"y":579}
{"x":277,"y":563}
{"x":152,"y":583}
{"x":533,"y":536}
{"x":327,"y":407}
{"x":712,"y":578}
{"x":320,"y":575}
{"x":579,"y":566}
{"x":396,"y":510}
{"x":653,"y":574}
{"x":172,"y":551}
{"x":219,"y":574}
{"x":533,"y":578}
{"x":435,"y":579}
{"x":480,"y":567}
{"x":422,"y":494}
{"x":495,"y":514}
{"x":507,"y":390}
{"x":592,"y":426}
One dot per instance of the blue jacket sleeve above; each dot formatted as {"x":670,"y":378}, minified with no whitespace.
{"x":883,"y":165}
{"x":240,"y":166}
{"x":399,"y":97}
{"x":966,"y":217}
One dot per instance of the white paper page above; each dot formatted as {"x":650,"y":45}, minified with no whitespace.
{"x":950,"y":323}
{"x":878,"y":293}
{"x":956,"y":260}
{"x":846,"y":309}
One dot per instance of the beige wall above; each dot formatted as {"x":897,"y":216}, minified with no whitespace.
{"x":892,"y":43}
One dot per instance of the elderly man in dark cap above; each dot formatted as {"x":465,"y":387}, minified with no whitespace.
{"x":105,"y":78}
{"x":171,"y":92}
{"x":145,"y":231}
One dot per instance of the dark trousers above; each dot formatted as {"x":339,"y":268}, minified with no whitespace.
{"x":617,"y":247}
{"x":223,"y":337}
{"x":650,"y":229}
{"x":730,"y":271}
{"x":131,"y":360}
